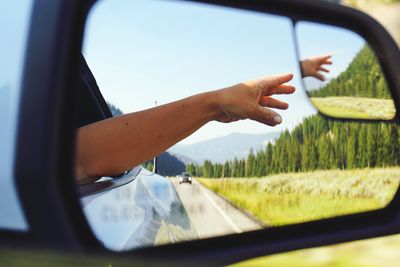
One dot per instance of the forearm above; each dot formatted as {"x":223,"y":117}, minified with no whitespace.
{"x":115,"y":145}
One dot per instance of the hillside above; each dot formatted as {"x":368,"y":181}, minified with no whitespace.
{"x":362,"y":78}
{"x":316,"y":143}
{"x":167,"y":165}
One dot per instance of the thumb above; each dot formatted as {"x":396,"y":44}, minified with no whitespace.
{"x":266,"y":116}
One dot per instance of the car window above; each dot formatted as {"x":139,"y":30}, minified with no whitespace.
{"x":14,"y":26}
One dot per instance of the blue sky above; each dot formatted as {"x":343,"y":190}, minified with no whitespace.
{"x":144,"y":51}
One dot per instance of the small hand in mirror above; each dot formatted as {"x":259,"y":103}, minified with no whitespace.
{"x":112,"y":146}
{"x":311,"y":67}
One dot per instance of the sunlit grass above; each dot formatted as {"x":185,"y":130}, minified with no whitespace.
{"x":35,"y":257}
{"x":355,"y":107}
{"x":298,"y":197}
{"x":378,"y":252}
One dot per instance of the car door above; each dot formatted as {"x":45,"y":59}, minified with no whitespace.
{"x":45,"y":148}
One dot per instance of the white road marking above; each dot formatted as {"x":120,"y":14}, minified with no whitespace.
{"x":223,"y":214}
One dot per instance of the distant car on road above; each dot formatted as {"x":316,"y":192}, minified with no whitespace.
{"x":185,"y":178}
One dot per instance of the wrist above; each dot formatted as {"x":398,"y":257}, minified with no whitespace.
{"x":213,"y":102}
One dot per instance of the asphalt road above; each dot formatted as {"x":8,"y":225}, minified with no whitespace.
{"x":210,"y":214}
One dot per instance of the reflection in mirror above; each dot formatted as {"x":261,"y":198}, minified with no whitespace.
{"x":225,"y":178}
{"x":354,"y":86}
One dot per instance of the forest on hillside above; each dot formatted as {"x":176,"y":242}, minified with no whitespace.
{"x":362,"y":78}
{"x":323,"y":143}
{"x":317,"y":143}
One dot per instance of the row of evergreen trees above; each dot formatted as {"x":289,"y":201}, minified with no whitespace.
{"x":317,"y":143}
{"x":115,"y":111}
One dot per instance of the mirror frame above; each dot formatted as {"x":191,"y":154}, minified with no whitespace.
{"x":43,"y":173}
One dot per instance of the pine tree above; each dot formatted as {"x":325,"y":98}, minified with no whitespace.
{"x":250,"y":164}
{"x":226,"y":169}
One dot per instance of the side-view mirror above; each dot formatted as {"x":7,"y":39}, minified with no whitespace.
{"x":316,"y":180}
{"x":308,"y":189}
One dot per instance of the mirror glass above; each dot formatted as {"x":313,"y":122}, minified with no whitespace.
{"x":225,"y":178}
{"x":341,"y":74}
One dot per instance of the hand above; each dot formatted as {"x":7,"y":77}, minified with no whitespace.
{"x":252,"y":100}
{"x":311,"y":67}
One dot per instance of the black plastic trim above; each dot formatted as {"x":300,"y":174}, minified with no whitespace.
{"x":45,"y":147}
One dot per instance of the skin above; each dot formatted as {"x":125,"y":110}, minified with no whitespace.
{"x":112,"y":146}
{"x":312,"y":67}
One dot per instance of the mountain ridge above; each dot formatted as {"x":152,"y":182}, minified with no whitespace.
{"x":224,"y":148}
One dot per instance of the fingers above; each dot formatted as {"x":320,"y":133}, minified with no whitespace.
{"x":267,"y":116}
{"x":324,"y":58}
{"x":272,"y":84}
{"x":279,"y":79}
{"x":283,"y":89}
{"x":323,"y":69}
{"x":273,"y":103}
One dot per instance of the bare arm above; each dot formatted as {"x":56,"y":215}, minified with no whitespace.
{"x":110,"y":147}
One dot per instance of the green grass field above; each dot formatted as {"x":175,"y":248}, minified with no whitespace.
{"x":298,"y":197}
{"x":355,"y":107}
{"x":377,"y":252}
